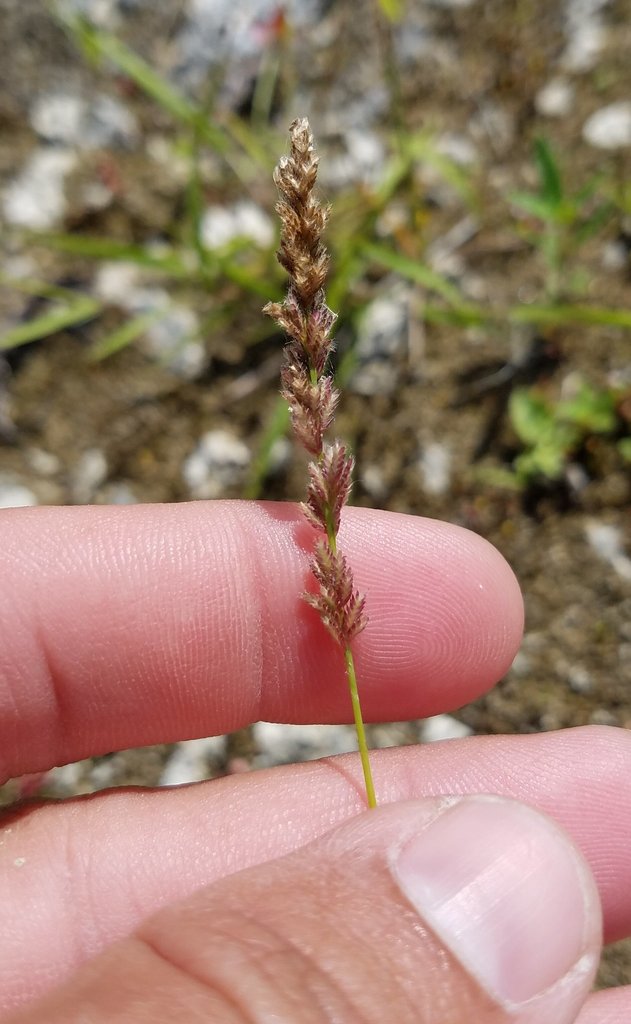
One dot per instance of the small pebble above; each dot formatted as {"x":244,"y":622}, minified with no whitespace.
{"x":89,"y":473}
{"x":382,"y":335}
{"x":443,"y":727}
{"x":609,"y":127}
{"x":607,"y":541}
{"x":458,"y":148}
{"x":35,"y":199}
{"x":223,"y":224}
{"x":435,"y":468}
{"x":15,"y":495}
{"x":219,"y":462}
{"x":286,"y":744}
{"x":522,"y":665}
{"x":372,"y":479}
{"x":174,"y":340}
{"x":190,"y":760}
{"x":117,"y":283}
{"x":555,"y":98}
{"x":615,"y":256}
{"x":579,"y":679}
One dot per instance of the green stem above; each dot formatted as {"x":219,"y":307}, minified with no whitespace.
{"x":359,"y":726}
{"x":350,"y":666}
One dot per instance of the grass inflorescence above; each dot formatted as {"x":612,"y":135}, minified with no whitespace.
{"x":312,"y":397}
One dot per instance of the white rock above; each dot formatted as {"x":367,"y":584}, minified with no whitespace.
{"x":443,"y":727}
{"x":375,"y":377}
{"x":174,"y":340}
{"x":101,"y":13}
{"x":609,"y":127}
{"x":458,"y":148}
{"x":280,"y":455}
{"x":119,"y":493}
{"x":522,"y":665}
{"x":35,"y":198}
{"x":64,"y":780}
{"x":88,"y":475}
{"x":173,"y":337}
{"x":442,"y":255}
{"x":68,"y":119}
{"x":285,"y":744}
{"x":494,"y":123}
{"x":373,"y":481}
{"x":383,"y":327}
{"x":555,"y":98}
{"x":614,"y":256}
{"x":223,"y":224}
{"x":435,"y":467}
{"x":117,"y":283}
{"x":232,"y":34}
{"x":190,"y":759}
{"x":108,"y":124}
{"x":584,"y":47}
{"x":218,"y":462}
{"x":585,"y":34}
{"x":362,"y":161}
{"x":579,"y":679}
{"x":15,"y":495}
{"x":607,"y":541}
{"x":102,"y":773}
{"x":42,"y":462}
{"x":382,"y":335}
{"x":57,"y":117}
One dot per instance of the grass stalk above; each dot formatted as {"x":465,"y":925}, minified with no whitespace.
{"x":309,"y":391}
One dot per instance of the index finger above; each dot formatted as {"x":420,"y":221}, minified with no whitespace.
{"x":124,"y":626}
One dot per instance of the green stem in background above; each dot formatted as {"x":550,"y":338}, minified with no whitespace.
{"x":359,"y":727}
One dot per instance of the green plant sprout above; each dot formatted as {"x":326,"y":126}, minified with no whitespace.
{"x":567,"y":220}
{"x":551,"y":432}
{"x":309,"y":391}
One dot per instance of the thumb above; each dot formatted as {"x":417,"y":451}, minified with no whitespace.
{"x":461,"y":909}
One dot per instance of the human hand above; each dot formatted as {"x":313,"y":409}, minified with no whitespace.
{"x":279,"y":898}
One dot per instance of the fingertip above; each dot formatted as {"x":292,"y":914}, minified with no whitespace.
{"x":445,"y":608}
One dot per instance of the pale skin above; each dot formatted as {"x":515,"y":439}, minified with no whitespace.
{"x":123,"y":627}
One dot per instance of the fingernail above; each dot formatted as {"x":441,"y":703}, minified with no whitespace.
{"x":504,"y":890}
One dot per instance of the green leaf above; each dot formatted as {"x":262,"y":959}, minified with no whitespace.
{"x":414,"y":270}
{"x":589,"y":227}
{"x":537,"y":206}
{"x":546,"y":460}
{"x":99,"y":44}
{"x":564,"y":314}
{"x":168,"y":260}
{"x":55,"y":320}
{"x":549,"y":174}
{"x":531,"y":416}
{"x":124,"y":335}
{"x":393,"y":9}
{"x":624,"y":447}
{"x":259,"y":470}
{"x":592,"y":410}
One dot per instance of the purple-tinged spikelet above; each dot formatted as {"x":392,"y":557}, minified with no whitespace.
{"x":306,"y":386}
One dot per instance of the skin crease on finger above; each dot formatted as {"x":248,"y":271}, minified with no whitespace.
{"x":95,"y":867}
